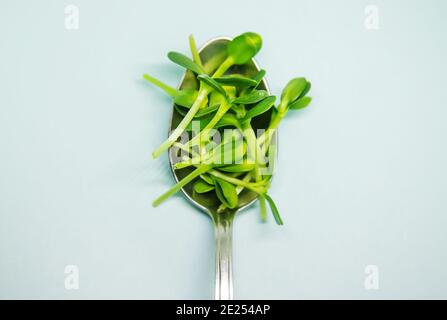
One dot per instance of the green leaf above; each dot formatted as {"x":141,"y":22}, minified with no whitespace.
{"x":206,"y":111}
{"x":230,"y":151}
{"x":259,"y":76}
{"x":228,"y":119}
{"x":202,"y":187}
{"x":180,"y":110}
{"x":230,"y":91}
{"x":300,"y":103}
{"x":244,"y":47}
{"x":185,"y":62}
{"x":194,"y":52}
{"x":212,"y":83}
{"x":243,"y":167}
{"x":239,"y":109}
{"x":260,"y":108}
{"x":205,"y":177}
{"x":203,"y":121}
{"x":262,"y":209}
{"x":216,"y":98}
{"x":190,"y":177}
{"x":293,"y":90}
{"x":306,"y":90}
{"x":231,"y":136}
{"x":252,"y":97}
{"x":234,"y":174}
{"x":166,"y":88}
{"x":236,"y":80}
{"x":226,"y":192}
{"x":185,"y":98}
{"x":274,"y":209}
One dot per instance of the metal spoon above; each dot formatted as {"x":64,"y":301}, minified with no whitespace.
{"x":212,"y":54}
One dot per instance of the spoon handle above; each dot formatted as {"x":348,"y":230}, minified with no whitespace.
{"x":224,"y":250}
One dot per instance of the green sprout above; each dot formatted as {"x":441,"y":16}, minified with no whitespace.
{"x":228,"y":101}
{"x":240,"y":50}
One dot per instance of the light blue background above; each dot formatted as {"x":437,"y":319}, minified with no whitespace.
{"x":361,"y":181}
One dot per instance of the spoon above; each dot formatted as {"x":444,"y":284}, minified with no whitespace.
{"x":212,"y":54}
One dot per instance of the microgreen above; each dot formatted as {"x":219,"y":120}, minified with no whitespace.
{"x":244,"y":47}
{"x":236,"y":80}
{"x":226,"y":192}
{"x":259,"y":76}
{"x":300,"y":103}
{"x":180,"y":110}
{"x":207,"y":110}
{"x":184,"y":98}
{"x":194,"y":52}
{"x":246,"y":167}
{"x":252,"y":97}
{"x":212,"y":83}
{"x":190,"y":177}
{"x":185,"y":62}
{"x":274,"y":209}
{"x":293,"y":90}
{"x":240,"y":50}
{"x":260,"y":108}
{"x":203,"y":187}
{"x":205,"y":177}
{"x":226,"y":99}
{"x":306,"y":90}
{"x":228,"y":120}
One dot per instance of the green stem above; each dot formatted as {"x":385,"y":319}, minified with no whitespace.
{"x":204,"y":134}
{"x":228,"y":62}
{"x":254,"y":148}
{"x":251,"y":186}
{"x":166,"y":88}
{"x":187,"y":161}
{"x":264,"y":139}
{"x":262,"y":209}
{"x":203,"y":93}
{"x":247,"y":178}
{"x":194,"y":51}
{"x":184,"y":148}
{"x":214,"y":62}
{"x":197,"y":172}
{"x":255,"y":152}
